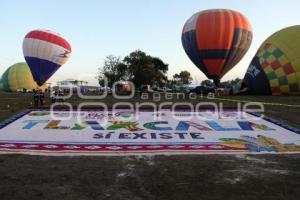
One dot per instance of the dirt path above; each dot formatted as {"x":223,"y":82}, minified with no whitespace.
{"x":160,"y":177}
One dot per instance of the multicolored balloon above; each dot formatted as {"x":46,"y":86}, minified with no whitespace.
{"x":45,"y":52}
{"x":18,"y":76}
{"x":216,"y":40}
{"x":275,"y":69}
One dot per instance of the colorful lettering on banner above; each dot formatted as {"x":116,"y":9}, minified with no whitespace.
{"x":218,"y":127}
{"x":249,"y":126}
{"x":131,"y":126}
{"x":79,"y":126}
{"x":261,"y":126}
{"x":185,"y":125}
{"x":152,"y":126}
{"x":94,"y":125}
{"x":31,"y":123}
{"x":54,"y":124}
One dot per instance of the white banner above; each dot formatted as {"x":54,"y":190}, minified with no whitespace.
{"x":131,"y":132}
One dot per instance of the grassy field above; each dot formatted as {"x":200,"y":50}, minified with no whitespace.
{"x":153,"y":177}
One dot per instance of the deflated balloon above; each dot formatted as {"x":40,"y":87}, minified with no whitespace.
{"x":45,"y":52}
{"x":216,"y":40}
{"x":275,"y":69}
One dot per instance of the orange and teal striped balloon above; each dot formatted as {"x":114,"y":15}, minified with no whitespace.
{"x":18,"y":76}
{"x":216,"y":40}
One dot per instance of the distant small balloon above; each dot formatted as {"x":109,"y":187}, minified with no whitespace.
{"x":45,"y":52}
{"x":216,"y":40}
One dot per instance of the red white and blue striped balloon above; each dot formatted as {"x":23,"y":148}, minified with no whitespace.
{"x":45,"y":52}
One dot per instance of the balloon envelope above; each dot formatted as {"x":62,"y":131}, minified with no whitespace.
{"x":216,"y":40}
{"x":18,"y":76}
{"x":275,"y":69}
{"x":45,"y":52}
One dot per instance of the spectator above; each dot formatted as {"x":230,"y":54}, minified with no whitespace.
{"x":41,"y":97}
{"x":36,"y":98}
{"x":52,"y":97}
{"x":61,"y":96}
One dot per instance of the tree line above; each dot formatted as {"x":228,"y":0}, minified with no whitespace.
{"x":143,"y":69}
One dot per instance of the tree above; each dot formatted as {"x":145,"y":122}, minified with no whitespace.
{"x":159,"y":65}
{"x":176,"y":78}
{"x":138,"y":67}
{"x":144,"y":69}
{"x":184,"y":77}
{"x":113,"y":70}
{"x":207,"y":83}
{"x":160,"y":69}
{"x":230,"y":83}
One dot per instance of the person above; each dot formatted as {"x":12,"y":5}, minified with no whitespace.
{"x":41,"y":97}
{"x":36,"y":98}
{"x":53,"y":96}
{"x":61,"y":96}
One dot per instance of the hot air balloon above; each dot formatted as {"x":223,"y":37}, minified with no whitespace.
{"x":216,"y":40}
{"x":18,"y":76}
{"x":275,"y":69}
{"x":45,"y":52}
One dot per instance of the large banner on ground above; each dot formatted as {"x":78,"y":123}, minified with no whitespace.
{"x":126,"y":132}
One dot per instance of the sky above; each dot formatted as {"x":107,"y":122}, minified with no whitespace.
{"x":98,"y":28}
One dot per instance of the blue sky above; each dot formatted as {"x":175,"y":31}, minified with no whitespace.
{"x":99,"y":28}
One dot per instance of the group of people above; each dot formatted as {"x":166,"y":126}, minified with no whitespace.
{"x":39,"y":97}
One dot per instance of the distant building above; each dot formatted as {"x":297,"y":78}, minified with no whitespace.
{"x":71,"y":83}
{"x":74,"y":84}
